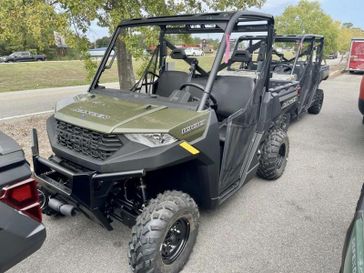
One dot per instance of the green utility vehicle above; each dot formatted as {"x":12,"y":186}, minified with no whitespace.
{"x":189,"y":133}
{"x":353,"y":250}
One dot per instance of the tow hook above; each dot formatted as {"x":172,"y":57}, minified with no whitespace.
{"x":62,"y":208}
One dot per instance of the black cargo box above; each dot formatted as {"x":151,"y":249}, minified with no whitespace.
{"x":13,"y":166}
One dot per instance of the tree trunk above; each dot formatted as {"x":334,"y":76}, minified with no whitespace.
{"x":125,"y":65}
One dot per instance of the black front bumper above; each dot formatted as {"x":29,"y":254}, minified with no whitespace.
{"x":87,"y":190}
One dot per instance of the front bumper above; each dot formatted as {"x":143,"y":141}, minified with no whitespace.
{"x":87,"y":190}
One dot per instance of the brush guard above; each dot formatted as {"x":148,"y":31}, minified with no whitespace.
{"x":86,"y":190}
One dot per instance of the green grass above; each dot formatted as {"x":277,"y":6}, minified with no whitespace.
{"x":23,"y":76}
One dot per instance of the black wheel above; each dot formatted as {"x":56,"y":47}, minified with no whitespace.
{"x":316,"y":105}
{"x":274,"y":156}
{"x":164,"y":234}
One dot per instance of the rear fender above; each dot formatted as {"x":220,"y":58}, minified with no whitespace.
{"x":277,"y":102}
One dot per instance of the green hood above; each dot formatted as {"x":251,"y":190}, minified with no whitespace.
{"x":112,"y":115}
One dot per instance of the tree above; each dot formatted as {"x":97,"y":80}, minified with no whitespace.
{"x":103,"y":42}
{"x":307,"y":17}
{"x":346,"y":32}
{"x":29,"y":24}
{"x":109,"y":13}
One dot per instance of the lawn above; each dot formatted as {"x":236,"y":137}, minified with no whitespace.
{"x":24,"y":76}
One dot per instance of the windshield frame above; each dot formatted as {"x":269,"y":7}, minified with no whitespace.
{"x":226,"y":23}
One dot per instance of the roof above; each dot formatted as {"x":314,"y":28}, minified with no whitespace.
{"x":198,"y":18}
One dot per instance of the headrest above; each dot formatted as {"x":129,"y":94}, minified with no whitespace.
{"x":179,"y":54}
{"x":241,"y":56}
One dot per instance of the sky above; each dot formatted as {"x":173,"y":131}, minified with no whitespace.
{"x":341,"y":10}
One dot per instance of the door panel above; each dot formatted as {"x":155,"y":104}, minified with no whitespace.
{"x":240,"y":129}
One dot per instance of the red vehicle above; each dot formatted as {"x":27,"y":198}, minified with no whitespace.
{"x":356,"y":57}
{"x":361,"y":98}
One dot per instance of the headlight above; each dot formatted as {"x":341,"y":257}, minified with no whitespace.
{"x":152,"y":140}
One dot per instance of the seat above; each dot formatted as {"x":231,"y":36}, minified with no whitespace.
{"x":243,"y":57}
{"x":169,"y":81}
{"x":232,"y":93}
{"x":172,"y":80}
{"x":231,"y":100}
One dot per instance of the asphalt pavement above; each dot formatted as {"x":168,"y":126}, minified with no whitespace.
{"x":295,"y":224}
{"x":31,"y":102}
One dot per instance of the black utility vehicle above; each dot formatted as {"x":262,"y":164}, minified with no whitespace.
{"x":296,"y":58}
{"x":21,"y":229}
{"x":306,"y":67}
{"x":148,"y":155}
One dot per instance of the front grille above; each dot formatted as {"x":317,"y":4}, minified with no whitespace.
{"x":87,"y":142}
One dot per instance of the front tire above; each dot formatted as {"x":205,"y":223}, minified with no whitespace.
{"x":164,"y":234}
{"x":316,"y":105}
{"x":274,"y":156}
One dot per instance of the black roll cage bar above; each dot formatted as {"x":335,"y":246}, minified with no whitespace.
{"x":311,"y":38}
{"x":224,"y":22}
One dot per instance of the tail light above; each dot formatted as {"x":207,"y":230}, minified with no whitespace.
{"x":361,"y":95}
{"x":23,"y":197}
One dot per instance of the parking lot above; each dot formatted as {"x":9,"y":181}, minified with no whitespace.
{"x":295,"y":224}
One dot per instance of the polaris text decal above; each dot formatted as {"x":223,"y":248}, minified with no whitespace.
{"x":289,"y":102}
{"x":90,"y":113}
{"x":194,"y":126}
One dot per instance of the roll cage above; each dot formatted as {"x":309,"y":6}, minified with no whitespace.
{"x":224,"y":23}
{"x":315,"y":46}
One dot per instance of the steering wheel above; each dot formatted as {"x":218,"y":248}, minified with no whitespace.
{"x":282,"y":68}
{"x":201,"y":88}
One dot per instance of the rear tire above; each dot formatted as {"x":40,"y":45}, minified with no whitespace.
{"x":164,"y":234}
{"x":274,"y":156}
{"x":316,"y":105}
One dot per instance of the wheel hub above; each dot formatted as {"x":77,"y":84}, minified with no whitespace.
{"x":282,"y":155}
{"x":175,"y":241}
